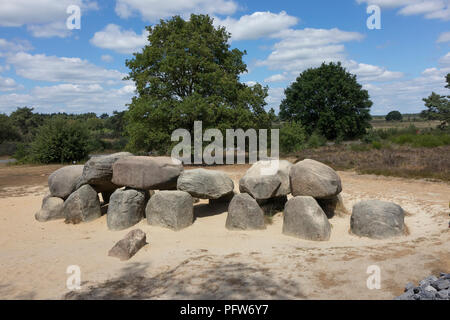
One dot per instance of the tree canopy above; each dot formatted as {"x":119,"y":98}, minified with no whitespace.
{"x":438,"y":107}
{"x":394,"y":116}
{"x":328,"y":100}
{"x":188,"y":73}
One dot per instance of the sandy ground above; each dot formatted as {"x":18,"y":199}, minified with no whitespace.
{"x":206,"y":261}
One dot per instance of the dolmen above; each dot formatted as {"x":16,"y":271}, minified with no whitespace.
{"x":160,"y":191}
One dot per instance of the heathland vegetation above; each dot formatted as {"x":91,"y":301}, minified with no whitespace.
{"x":188,"y":72}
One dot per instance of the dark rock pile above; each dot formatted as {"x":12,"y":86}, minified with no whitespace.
{"x":430,"y":288}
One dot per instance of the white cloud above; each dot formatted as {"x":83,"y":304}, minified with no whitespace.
{"x":60,"y":69}
{"x":276,"y":78}
{"x":367,"y":72}
{"x":153,"y":10}
{"x":107,"y":58}
{"x":444,"y":37}
{"x":8,"y":84}
{"x":7,"y":47}
{"x":257,"y":25}
{"x":276,"y":95}
{"x":445,"y":60}
{"x":43,"y":18}
{"x":123,"y":41}
{"x":71,"y":98}
{"x":303,"y":48}
{"x":431,"y":9}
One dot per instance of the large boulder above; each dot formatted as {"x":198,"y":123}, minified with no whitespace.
{"x":244,"y":213}
{"x":126,"y":208}
{"x":206,"y":184}
{"x":314,"y":179}
{"x":63,"y":182}
{"x":303,"y":218}
{"x":52,"y":209}
{"x":129,"y":245}
{"x":262,"y":183}
{"x":147,"y":173}
{"x":98,"y":171}
{"x":377,"y":219}
{"x":82,"y":205}
{"x":170,"y":209}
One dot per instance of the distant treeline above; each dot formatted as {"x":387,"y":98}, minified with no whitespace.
{"x":20,"y":130}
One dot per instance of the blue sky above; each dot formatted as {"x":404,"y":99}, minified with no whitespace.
{"x":45,"y":65}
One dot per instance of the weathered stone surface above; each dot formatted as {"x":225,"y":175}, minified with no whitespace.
{"x":64,"y":181}
{"x":244,"y":213}
{"x":377,"y":219}
{"x":170,"y":209}
{"x":205,"y":184}
{"x":145,"y":173}
{"x":128,"y":246}
{"x":262,"y":183}
{"x":303,"y":218}
{"x":315,"y":179}
{"x":82,"y":205}
{"x":333,"y":207}
{"x":126,"y":208}
{"x":98,"y":171}
{"x":52,"y":209}
{"x":273,"y":205}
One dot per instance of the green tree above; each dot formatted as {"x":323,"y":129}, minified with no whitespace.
{"x":328,"y":100}
{"x":188,"y":73}
{"x":7,"y":131}
{"x":394,"y":116}
{"x":26,"y":121}
{"x":60,"y":141}
{"x":438,"y":107}
{"x":292,"y":137}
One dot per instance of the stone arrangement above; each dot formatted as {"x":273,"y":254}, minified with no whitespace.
{"x":430,"y":288}
{"x":159,"y":190}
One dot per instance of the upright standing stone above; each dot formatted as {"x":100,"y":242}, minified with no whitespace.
{"x":303,"y":218}
{"x":170,"y":209}
{"x":126,"y":208}
{"x":244,"y":213}
{"x":82,"y":205}
{"x":377,"y":219}
{"x":52,"y":209}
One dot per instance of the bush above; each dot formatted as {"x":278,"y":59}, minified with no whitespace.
{"x":394,"y":116}
{"x":292,"y":137}
{"x":60,"y":141}
{"x":316,"y":140}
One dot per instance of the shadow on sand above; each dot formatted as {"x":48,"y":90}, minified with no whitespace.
{"x":201,"y":277}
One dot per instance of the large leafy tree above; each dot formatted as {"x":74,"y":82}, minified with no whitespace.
{"x":188,"y":73}
{"x":394,"y":116}
{"x":328,"y":100}
{"x":438,"y":107}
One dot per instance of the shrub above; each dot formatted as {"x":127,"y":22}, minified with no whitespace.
{"x":316,"y":140}
{"x":292,"y":137}
{"x":60,"y":141}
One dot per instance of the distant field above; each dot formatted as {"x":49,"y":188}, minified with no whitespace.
{"x":383,"y":124}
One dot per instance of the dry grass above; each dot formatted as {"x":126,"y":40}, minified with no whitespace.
{"x":383,"y":124}
{"x":402,"y":161}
